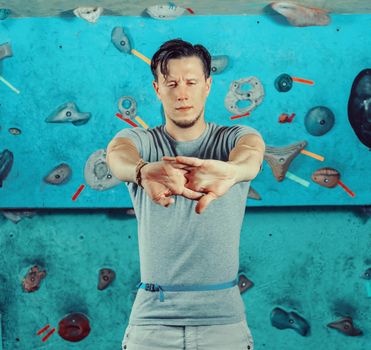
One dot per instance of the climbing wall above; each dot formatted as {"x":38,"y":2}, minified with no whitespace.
{"x":68,"y":85}
{"x":66,"y":91}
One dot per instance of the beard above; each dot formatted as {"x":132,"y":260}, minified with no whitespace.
{"x":187,"y":123}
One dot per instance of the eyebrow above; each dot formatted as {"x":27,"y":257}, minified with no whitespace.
{"x":173,"y":80}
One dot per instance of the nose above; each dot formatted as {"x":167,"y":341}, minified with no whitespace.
{"x":182,"y":94}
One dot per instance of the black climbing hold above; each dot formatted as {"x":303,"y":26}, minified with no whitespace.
{"x":359,"y":106}
{"x":283,"y":83}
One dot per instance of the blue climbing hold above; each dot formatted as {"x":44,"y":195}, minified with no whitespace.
{"x":319,"y":120}
{"x":282,"y":319}
{"x":4,"y":13}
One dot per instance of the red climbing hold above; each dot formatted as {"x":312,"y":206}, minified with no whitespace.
{"x":74,"y":327}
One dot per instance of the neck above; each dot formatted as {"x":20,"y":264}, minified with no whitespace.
{"x":185,"y":134}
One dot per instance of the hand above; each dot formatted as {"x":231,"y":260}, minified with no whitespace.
{"x":209,"y":176}
{"x":163,"y":179}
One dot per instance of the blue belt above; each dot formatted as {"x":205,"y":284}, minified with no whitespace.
{"x":154,"y":287}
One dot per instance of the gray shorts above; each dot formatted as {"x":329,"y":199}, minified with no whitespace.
{"x":235,"y":336}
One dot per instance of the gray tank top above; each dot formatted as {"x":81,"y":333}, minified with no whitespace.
{"x":178,"y":246}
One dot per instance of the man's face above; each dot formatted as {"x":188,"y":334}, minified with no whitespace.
{"x":184,"y":91}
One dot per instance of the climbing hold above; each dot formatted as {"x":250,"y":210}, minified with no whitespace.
{"x":97,"y":173}
{"x":4,"y":13}
{"x":106,"y":277}
{"x":90,"y":14}
{"x":283,"y":83}
{"x":319,"y":120}
{"x":237,"y":94}
{"x":120,"y":40}
{"x":33,"y":279}
{"x":327,"y":177}
{"x":74,"y":327}
{"x":68,"y":113}
{"x":282,"y":320}
{"x":301,"y":16}
{"x":167,"y":12}
{"x":5,"y":51}
{"x":253,"y":194}
{"x":218,"y":64}
{"x":244,"y":283}
{"x":15,"y":131}
{"x":367,"y":274}
{"x":128,"y":107}
{"x":285,"y":118}
{"x":6,"y":163}
{"x":130,"y":211}
{"x":359,"y":107}
{"x":280,"y":158}
{"x":16,"y":215}
{"x":59,"y":175}
{"x":345,"y":326}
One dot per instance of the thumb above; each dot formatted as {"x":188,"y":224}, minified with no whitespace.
{"x":204,"y":202}
{"x":188,"y":193}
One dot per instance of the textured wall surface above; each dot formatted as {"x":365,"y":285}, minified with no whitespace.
{"x":308,"y":260}
{"x":58,"y":60}
{"x":44,"y":8}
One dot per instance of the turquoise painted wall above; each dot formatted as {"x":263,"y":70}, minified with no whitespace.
{"x":305,"y":259}
{"x":57,"y":60}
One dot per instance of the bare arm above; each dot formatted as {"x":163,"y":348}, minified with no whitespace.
{"x":160,"y":180}
{"x":215,"y":177}
{"x":122,"y":157}
{"x":247,"y":157}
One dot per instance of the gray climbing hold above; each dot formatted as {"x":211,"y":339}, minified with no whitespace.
{"x":59,"y":175}
{"x":68,"y":113}
{"x":97,"y":174}
{"x":120,"y":40}
{"x":236,"y":93}
{"x":5,"y":51}
{"x":218,"y":64}
{"x":166,"y":12}
{"x":90,"y":14}
{"x":128,"y":107}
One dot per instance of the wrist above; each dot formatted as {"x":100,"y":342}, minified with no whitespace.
{"x":243,"y":171}
{"x":234,"y":171}
{"x":139,"y":172}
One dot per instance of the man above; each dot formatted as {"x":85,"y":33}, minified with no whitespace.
{"x":188,"y":181}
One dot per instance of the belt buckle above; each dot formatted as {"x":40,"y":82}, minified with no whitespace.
{"x":151,"y":287}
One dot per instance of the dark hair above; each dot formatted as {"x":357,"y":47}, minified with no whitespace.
{"x":178,"y":48}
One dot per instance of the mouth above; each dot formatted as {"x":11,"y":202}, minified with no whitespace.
{"x":185,"y":108}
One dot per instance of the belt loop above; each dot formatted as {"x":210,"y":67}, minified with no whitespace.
{"x":162,"y":297}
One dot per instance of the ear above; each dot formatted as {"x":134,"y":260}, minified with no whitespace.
{"x":155,"y":86}
{"x":208,"y":85}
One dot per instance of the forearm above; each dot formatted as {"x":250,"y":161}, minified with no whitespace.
{"x":122,"y":160}
{"x":246,"y":161}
